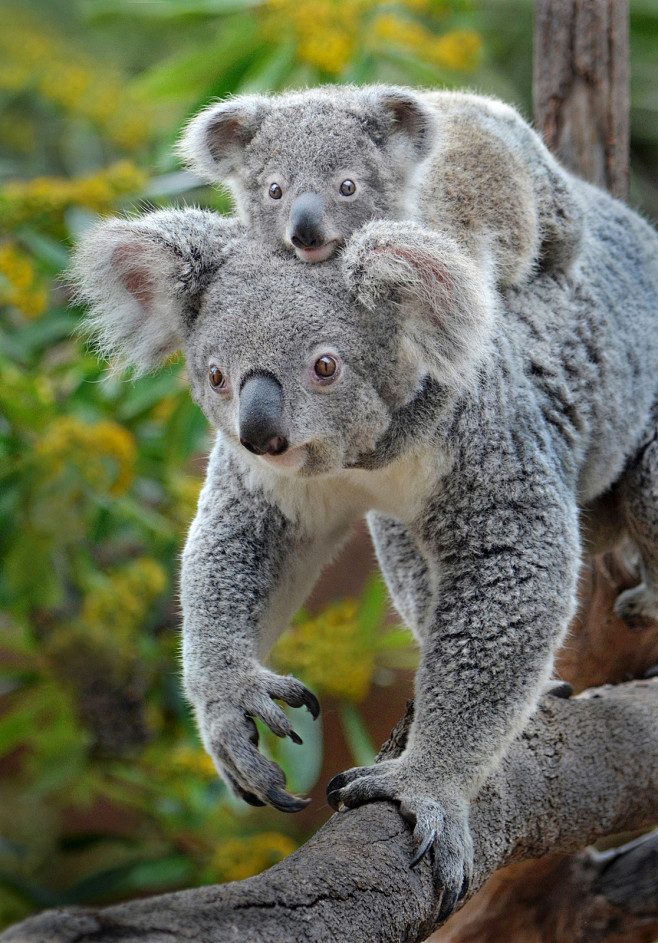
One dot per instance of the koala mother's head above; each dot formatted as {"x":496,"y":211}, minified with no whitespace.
{"x":302,"y":366}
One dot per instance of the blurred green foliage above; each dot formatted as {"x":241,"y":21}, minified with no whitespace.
{"x":104,"y":788}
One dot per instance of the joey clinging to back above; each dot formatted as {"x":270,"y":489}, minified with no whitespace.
{"x":309,"y":168}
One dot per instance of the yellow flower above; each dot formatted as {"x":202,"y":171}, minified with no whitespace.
{"x":22,"y":288}
{"x":22,"y":200}
{"x":70,"y":442}
{"x":118,"y":602}
{"x":329,"y":652}
{"x":194,"y":761}
{"x":457,"y":50}
{"x":402,"y":31}
{"x":239,"y":858}
{"x":64,"y":83}
{"x":331,"y":51}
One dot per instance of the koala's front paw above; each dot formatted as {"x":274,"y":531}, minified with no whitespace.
{"x":440,"y":821}
{"x":230,"y":735}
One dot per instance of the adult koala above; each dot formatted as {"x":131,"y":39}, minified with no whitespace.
{"x":392,"y":382}
{"x":308,"y":168}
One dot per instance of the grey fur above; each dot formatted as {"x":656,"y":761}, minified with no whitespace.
{"x":469,"y":425}
{"x":461,"y":163}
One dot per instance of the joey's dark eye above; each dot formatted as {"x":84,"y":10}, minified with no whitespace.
{"x":347,"y":187}
{"x":325,"y":367}
{"x":217,"y":378}
{"x":275,"y":191}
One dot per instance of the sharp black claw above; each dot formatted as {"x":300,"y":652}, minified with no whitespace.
{"x":560,"y":689}
{"x":250,"y":798}
{"x":284,"y":802}
{"x":333,"y":798}
{"x":337,"y":783}
{"x":448,"y":904}
{"x":424,"y":848}
{"x":295,"y":738}
{"x":311,"y":702}
{"x":465,"y":888}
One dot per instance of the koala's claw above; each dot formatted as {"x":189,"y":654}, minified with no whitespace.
{"x":284,"y":802}
{"x":440,"y":828}
{"x":424,"y":848}
{"x":230,"y":734}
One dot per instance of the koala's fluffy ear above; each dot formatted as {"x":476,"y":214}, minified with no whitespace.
{"x":142,"y":278}
{"x":408,"y":122}
{"x":213,"y":143}
{"x":446,"y":301}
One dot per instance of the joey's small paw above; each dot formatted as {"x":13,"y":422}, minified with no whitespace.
{"x":230,"y":734}
{"x":638,"y":607}
{"x":440,"y":822}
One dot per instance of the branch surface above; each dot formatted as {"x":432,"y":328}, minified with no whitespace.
{"x":583,"y":768}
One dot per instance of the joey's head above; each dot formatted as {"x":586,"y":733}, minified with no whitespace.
{"x":309,"y":168}
{"x":302,"y":368}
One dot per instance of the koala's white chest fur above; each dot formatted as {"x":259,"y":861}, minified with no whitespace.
{"x":329,"y":502}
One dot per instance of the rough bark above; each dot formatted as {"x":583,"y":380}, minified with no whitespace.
{"x":574,"y":775}
{"x":581,"y":87}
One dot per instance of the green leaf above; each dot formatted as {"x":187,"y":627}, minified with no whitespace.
{"x":357,"y":735}
{"x":303,"y":764}
{"x":373,"y":606}
{"x":49,"y":250}
{"x":165,"y":9}
{"x":271,"y":71}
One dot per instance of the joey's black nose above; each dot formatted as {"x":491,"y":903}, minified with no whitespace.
{"x":307,"y":221}
{"x":260,"y":415}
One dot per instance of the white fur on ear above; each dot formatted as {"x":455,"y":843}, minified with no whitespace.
{"x":213,"y":142}
{"x":141,"y":278}
{"x":448,"y":301}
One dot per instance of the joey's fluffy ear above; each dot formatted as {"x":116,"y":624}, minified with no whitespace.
{"x":408,"y":122}
{"x":142,"y":279}
{"x":446,"y":301}
{"x":213,"y":143}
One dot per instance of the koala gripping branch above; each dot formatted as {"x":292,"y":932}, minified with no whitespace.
{"x":583,"y":768}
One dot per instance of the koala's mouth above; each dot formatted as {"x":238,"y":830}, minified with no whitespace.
{"x":318,"y":254}
{"x":291,"y":460}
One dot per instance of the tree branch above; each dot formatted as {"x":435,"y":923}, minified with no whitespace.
{"x":583,"y":768}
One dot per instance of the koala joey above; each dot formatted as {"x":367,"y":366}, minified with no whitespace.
{"x":308,"y":168}
{"x":469,"y":425}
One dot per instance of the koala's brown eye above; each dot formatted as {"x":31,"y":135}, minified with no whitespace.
{"x":275,"y":191}
{"x":325,"y":367}
{"x":347,"y":187}
{"x":217,"y":378}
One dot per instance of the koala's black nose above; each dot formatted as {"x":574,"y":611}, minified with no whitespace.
{"x":260,"y":415}
{"x":306,"y":221}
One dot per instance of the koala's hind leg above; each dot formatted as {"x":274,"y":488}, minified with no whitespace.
{"x":404,"y":569}
{"x":639,"y":493}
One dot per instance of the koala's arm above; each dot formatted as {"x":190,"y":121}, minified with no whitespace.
{"x":246,"y":570}
{"x":502,"y":537}
{"x":507,"y":552}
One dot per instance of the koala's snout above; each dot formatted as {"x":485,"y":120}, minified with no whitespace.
{"x":260,"y":415}
{"x":306,"y":221}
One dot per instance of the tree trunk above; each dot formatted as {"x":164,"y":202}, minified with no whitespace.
{"x":581,"y":87}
